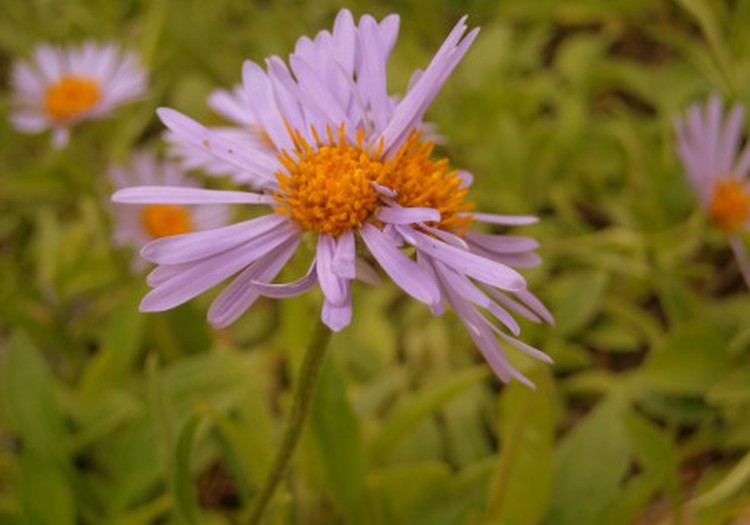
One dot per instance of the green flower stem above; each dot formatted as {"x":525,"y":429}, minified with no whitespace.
{"x":307,"y":380}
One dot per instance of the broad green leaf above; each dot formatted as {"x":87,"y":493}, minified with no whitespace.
{"x":339,"y":440}
{"x":575,"y":299}
{"x":119,"y":349}
{"x":691,"y":360}
{"x":414,"y":409}
{"x":658,"y":464}
{"x":402,"y":494}
{"x":592,"y":462}
{"x":526,"y":431}
{"x":46,"y":490}
{"x":181,"y":482}
{"x":45,"y":474}
{"x":34,"y":412}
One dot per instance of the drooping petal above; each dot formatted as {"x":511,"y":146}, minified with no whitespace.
{"x":284,"y":290}
{"x":402,"y":270}
{"x":344,"y":257}
{"x":189,"y":247}
{"x":503,"y":243}
{"x":337,"y":317}
{"x":240,"y":294}
{"x":334,"y":288}
{"x":467,"y":263}
{"x":466,"y":289}
{"x":198,"y":277}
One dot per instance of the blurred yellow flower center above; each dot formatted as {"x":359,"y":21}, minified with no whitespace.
{"x":329,"y":189}
{"x":423,"y":182}
{"x":730,"y":205}
{"x":71,"y":96}
{"x":163,"y":220}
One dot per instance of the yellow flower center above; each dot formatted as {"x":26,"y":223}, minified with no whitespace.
{"x":423,"y":182}
{"x":329,"y":189}
{"x":163,"y":220}
{"x":71,"y":96}
{"x":730,"y":205}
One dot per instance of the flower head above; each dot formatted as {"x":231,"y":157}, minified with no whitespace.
{"x":717,"y":166}
{"x":709,"y":147}
{"x":343,"y":162}
{"x":138,"y":225}
{"x":61,"y":87}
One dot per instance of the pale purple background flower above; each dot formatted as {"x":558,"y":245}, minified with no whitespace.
{"x":145,"y":169}
{"x":117,"y":75}
{"x":709,"y":144}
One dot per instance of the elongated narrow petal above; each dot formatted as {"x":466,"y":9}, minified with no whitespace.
{"x":505,"y":220}
{"x":182,"y":195}
{"x":337,"y":317}
{"x":209,"y":272}
{"x":195,"y":246}
{"x":334,"y":288}
{"x":401,"y":215}
{"x":503,"y":243}
{"x":479,"y":268}
{"x":284,"y":290}
{"x":402,"y":270}
{"x":344,"y":257}
{"x":240,"y":294}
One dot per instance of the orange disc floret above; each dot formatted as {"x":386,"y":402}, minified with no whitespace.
{"x":71,"y":96}
{"x":328,"y":189}
{"x":729,"y":207}
{"x":164,"y":220}
{"x":423,"y":182}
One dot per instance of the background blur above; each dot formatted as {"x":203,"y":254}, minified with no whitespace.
{"x":561,"y":108}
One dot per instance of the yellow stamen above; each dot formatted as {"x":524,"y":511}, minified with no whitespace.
{"x":423,"y":182}
{"x":71,"y":96}
{"x":730,"y":205}
{"x":163,"y":220}
{"x":328,"y":188}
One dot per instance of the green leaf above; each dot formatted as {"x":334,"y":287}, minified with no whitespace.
{"x":45,"y":485}
{"x":527,"y":428}
{"x":339,"y":440}
{"x":403,"y":494}
{"x":414,"y":409}
{"x":658,"y":464}
{"x":593,"y":460}
{"x":34,"y":412}
{"x":120,"y":347}
{"x":46,"y":491}
{"x":575,"y":299}
{"x":691,"y":360}
{"x":181,"y":483}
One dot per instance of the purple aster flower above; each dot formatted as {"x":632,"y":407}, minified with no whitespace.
{"x":348,"y":165}
{"x":717,"y":165}
{"x":138,"y":225}
{"x":63,"y":86}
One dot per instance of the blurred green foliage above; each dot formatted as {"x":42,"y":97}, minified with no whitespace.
{"x":562,"y":108}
